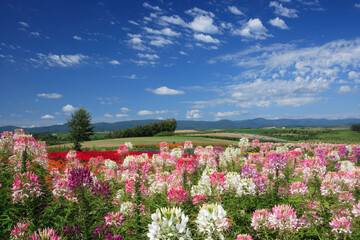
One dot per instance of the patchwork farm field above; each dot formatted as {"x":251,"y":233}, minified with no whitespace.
{"x":243,"y":190}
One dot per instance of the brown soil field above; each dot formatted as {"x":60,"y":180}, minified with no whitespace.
{"x":185,"y":131}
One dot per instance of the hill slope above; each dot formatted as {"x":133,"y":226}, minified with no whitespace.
{"x":198,"y":125}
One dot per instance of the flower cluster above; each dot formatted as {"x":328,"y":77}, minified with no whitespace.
{"x":212,"y":220}
{"x":169,"y":223}
{"x":26,"y":186}
{"x":282,"y":218}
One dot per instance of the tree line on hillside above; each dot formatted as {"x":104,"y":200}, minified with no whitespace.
{"x":147,"y":130}
{"x":355,"y":127}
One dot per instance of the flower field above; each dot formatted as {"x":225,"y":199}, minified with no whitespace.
{"x":251,"y":190}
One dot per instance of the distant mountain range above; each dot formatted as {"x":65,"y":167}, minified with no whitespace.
{"x":200,"y":125}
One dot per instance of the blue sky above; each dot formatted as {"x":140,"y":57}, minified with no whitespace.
{"x":196,"y":60}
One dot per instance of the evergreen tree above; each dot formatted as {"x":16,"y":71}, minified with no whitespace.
{"x":80,"y":127}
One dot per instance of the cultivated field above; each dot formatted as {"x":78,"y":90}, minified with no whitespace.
{"x":148,"y":140}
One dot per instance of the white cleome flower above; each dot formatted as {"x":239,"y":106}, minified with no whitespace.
{"x":212,"y":220}
{"x":169,"y":223}
{"x":111,"y":164}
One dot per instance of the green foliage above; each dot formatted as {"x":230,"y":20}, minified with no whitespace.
{"x":355,"y":127}
{"x":164,"y":134}
{"x":80,"y":127}
{"x":147,"y":130}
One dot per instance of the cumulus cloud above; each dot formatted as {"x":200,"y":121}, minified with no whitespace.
{"x":148,"y":56}
{"x":277,"y":22}
{"x":287,"y":75}
{"x":133,"y":22}
{"x":235,"y":10}
{"x":166,"y":91}
{"x":165,"y":31}
{"x":346,"y":89}
{"x":147,"y":5}
{"x":24,"y":24}
{"x":160,"y":41}
{"x":204,"y":24}
{"x":54,"y":60}
{"x":125,"y":109}
{"x":231,"y":114}
{"x":47,"y":116}
{"x":132,"y":76}
{"x":136,"y":42}
{"x":77,"y":38}
{"x":68,"y":108}
{"x":252,"y":29}
{"x":354,"y":76}
{"x":205,"y":38}
{"x":175,"y":19}
{"x":49,"y":95}
{"x":147,"y":112}
{"x":279,"y":9}
{"x":295,"y":102}
{"x":197,"y":11}
{"x":121,"y":115}
{"x":193,"y":114}
{"x":114,"y":62}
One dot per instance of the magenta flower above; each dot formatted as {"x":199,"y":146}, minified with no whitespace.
{"x":177,"y":195}
{"x":299,"y":188}
{"x":80,"y":177}
{"x":340,"y":225}
{"x":45,"y":234}
{"x":244,"y":237}
{"x":26,"y":185}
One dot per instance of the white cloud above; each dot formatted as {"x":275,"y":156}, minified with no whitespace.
{"x":144,"y":112}
{"x":296,"y":102}
{"x":183,"y":53}
{"x":204,"y":24}
{"x":132,"y":76}
{"x":68,"y":108}
{"x":47,"y":116}
{"x":133,"y":22}
{"x":148,"y":56}
{"x":205,"y":38}
{"x":114,"y":62}
{"x":54,"y":60}
{"x":165,"y":31}
{"x":277,"y":22}
{"x":147,"y":5}
{"x":354,"y":76}
{"x":120,"y":115}
{"x":160,"y":41}
{"x":166,"y":91}
{"x":231,"y":114}
{"x":124,"y":109}
{"x":77,"y":38}
{"x":106,"y":115}
{"x":252,"y":29}
{"x":283,"y":11}
{"x":175,"y":19}
{"x":357,"y":5}
{"x":193,"y":114}
{"x":136,"y":42}
{"x":197,"y":11}
{"x":235,"y":10}
{"x":35,"y":34}
{"x":49,"y":95}
{"x":147,"y":112}
{"x":142,"y":63}
{"x":346,"y":89}
{"x":24,"y":24}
